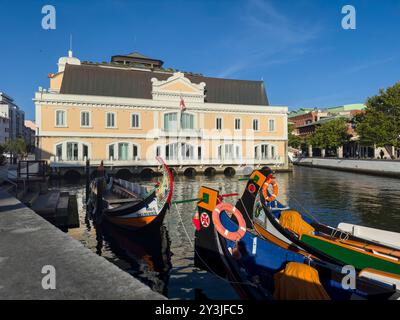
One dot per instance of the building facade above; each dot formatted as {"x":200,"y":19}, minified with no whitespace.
{"x":131,"y":110}
{"x":4,"y":129}
{"x":8,"y":109}
{"x":307,"y":121}
{"x":29,"y":134}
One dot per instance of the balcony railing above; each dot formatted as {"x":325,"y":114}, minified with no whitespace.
{"x":198,"y":133}
{"x":172,"y":162}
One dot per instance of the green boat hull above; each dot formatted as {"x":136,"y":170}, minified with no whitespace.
{"x":351,"y":257}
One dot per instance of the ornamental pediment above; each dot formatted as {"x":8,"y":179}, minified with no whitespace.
{"x":176,"y":87}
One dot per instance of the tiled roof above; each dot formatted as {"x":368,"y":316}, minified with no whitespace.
{"x":97,"y":80}
{"x":300,"y":112}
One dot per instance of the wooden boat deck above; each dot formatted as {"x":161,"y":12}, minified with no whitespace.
{"x":114,"y":200}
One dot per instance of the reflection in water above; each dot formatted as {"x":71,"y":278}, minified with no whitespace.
{"x":334,"y":197}
{"x":148,"y":254}
{"x":331,"y":197}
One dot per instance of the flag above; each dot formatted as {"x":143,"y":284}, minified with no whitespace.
{"x":182,"y":105}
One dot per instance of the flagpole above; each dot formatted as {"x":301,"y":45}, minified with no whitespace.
{"x":182,"y":108}
{"x":179,"y":128}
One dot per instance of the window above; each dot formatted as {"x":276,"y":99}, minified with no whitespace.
{"x":187,"y":121}
{"x":219,"y":123}
{"x":110,"y":120}
{"x":261,"y":152}
{"x":85,"y":119}
{"x":186,"y":151}
{"x":273,"y":155}
{"x":255,"y":124}
{"x":199,"y":153}
{"x":135,"y":120}
{"x":170,"y":121}
{"x":237,"y":124}
{"x":171,"y":151}
{"x":122,"y":151}
{"x":85,"y":151}
{"x":72,"y":151}
{"x":228,"y":151}
{"x":111,"y":152}
{"x":135,"y":152}
{"x":60,"y":118}
{"x":271,"y":124}
{"x":59,"y":148}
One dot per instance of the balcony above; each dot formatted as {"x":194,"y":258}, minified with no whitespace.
{"x":192,"y":133}
{"x":277,"y":161}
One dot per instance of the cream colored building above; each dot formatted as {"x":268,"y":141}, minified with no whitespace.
{"x":129,"y":110}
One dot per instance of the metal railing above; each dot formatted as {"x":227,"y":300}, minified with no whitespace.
{"x":174,"y":162}
{"x":6,"y":173}
{"x":27,"y":169}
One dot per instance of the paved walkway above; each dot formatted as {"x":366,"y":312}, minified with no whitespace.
{"x":388,"y":168}
{"x":28,"y":242}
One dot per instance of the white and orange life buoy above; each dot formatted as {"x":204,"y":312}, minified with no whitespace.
{"x":271,"y":197}
{"x":233,"y":236}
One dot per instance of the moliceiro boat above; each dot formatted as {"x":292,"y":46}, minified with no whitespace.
{"x":131,"y":205}
{"x":260,"y":269}
{"x":376,"y":259}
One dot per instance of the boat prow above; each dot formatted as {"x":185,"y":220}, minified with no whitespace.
{"x":132,"y":205}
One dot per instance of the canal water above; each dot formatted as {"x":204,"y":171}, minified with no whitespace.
{"x":165,"y":261}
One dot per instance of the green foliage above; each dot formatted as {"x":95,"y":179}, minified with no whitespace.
{"x":293,"y":140}
{"x":16,"y":147}
{"x":377,"y":128}
{"x":381,"y":123}
{"x":332,"y":134}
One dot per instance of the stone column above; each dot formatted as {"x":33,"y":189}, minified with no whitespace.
{"x":340,"y":152}
{"x":376,"y":152}
{"x":323,"y":153}
{"x":310,"y":153}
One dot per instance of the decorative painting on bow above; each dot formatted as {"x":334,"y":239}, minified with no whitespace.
{"x":258,"y":211}
{"x":165,"y":186}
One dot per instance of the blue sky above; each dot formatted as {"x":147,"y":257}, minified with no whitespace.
{"x":297,"y":47}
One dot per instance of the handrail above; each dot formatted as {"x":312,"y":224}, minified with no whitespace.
{"x":23,"y":168}
{"x":15,"y":184}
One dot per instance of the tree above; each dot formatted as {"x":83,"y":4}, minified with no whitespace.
{"x":380,"y":125}
{"x":332,"y":134}
{"x":293,"y":140}
{"x":16,"y":147}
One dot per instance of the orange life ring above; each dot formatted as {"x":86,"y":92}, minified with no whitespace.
{"x":233,"y":236}
{"x":274,"y":194}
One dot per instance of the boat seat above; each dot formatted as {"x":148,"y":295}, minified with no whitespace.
{"x":299,"y":281}
{"x":123,"y":191}
{"x":124,"y":200}
{"x":293,"y":221}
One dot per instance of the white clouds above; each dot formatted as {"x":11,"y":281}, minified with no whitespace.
{"x":268,"y":37}
{"x":367,"y":65}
